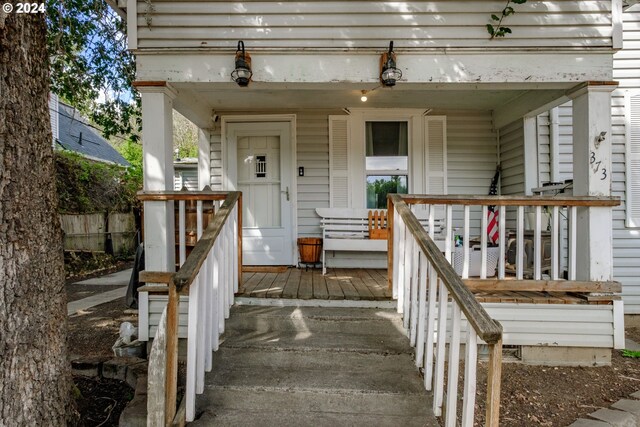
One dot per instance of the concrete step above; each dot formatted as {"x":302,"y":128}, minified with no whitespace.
{"x":270,"y":406}
{"x":304,"y":418}
{"x":314,"y":328}
{"x":347,"y":372}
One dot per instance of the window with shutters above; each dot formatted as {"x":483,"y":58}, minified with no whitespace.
{"x":633,"y":160}
{"x":386,"y":161}
{"x":373,"y":152}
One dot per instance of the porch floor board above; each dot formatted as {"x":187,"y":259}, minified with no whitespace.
{"x":337,"y":284}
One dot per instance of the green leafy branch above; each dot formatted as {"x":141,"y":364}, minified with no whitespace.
{"x":497,"y":29}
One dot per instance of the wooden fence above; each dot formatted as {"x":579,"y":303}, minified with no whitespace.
{"x":102,"y":232}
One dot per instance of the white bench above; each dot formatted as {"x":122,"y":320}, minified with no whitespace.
{"x":348,"y":230}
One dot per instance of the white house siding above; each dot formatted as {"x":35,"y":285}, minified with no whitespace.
{"x":512,"y":158}
{"x":369,"y":24}
{"x":185,"y":177}
{"x":471,"y":159}
{"x":626,"y":241}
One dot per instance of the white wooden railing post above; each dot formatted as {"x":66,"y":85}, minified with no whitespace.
{"x":520,"y":244}
{"x":438,"y":388}
{"x":470,"y":365}
{"x":431,"y":325}
{"x":400,"y":264}
{"x":182,"y":245}
{"x":453,"y":366}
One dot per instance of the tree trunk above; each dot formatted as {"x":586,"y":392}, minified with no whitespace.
{"x":35,"y":381}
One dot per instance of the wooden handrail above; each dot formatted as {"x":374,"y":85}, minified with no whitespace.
{"x":589,"y":201}
{"x":164,"y":196}
{"x":191,"y":266}
{"x":486,"y":328}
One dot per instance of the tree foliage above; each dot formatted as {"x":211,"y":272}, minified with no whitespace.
{"x":185,"y":136}
{"x":91,"y":67}
{"x":85,"y":186}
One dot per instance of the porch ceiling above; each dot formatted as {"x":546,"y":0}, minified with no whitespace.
{"x":259,"y":96}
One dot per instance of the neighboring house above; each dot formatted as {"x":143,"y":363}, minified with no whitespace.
{"x":186,"y":174}
{"x":72,"y":132}
{"x":301,"y":136}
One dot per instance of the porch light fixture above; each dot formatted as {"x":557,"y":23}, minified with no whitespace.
{"x":364,"y":98}
{"x":389,"y":74}
{"x":242,"y":74}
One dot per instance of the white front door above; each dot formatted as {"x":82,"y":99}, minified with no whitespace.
{"x":259,"y":163}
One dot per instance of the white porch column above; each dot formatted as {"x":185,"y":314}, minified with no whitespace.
{"x":157,"y":146}
{"x":592,"y":177}
{"x":204,"y":158}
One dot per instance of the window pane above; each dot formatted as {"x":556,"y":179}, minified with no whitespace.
{"x":387,"y":163}
{"x":386,"y":146}
{"x":379,"y":186}
{"x":386,"y":138}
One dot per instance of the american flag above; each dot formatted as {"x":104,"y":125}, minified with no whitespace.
{"x":492,"y":225}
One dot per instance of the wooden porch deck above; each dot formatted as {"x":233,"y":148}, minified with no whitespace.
{"x":337,"y":284}
{"x":371,"y":284}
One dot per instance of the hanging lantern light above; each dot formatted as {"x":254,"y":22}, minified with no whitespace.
{"x":389,"y":74}
{"x":242,"y":74}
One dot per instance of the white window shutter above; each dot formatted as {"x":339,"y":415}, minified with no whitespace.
{"x":339,"y":161}
{"x":435,"y":133}
{"x":633,"y":159}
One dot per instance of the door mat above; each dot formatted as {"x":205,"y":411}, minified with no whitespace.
{"x":264,"y":268}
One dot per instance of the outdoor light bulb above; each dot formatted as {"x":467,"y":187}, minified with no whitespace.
{"x":363,"y":98}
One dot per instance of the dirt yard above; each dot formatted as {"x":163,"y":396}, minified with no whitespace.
{"x":92,"y":333}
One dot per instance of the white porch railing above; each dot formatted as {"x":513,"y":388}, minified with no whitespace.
{"x":425,"y":280}
{"x":209,"y":276}
{"x":432,"y":297}
{"x":555,"y":218}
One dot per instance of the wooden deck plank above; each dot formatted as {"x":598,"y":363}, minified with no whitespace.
{"x":320,"y":290}
{"x":245,"y":279}
{"x":361,"y":287}
{"x":251,"y":284}
{"x":305,"y":290}
{"x":568,"y":299}
{"x":333,"y":287}
{"x":344,"y":279}
{"x":264,"y":285}
{"x":277,"y":287}
{"x":376,"y":289}
{"x":293,"y":282}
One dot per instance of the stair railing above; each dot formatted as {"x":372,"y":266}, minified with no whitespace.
{"x":209,"y":276}
{"x":430,"y":292}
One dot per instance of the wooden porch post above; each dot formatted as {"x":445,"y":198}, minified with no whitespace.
{"x":592,"y":177}
{"x":157,"y":150}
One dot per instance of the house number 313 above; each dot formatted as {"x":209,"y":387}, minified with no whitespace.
{"x":598,"y":163}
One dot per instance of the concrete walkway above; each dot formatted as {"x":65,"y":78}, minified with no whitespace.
{"x":119,"y":279}
{"x":291,"y":366}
